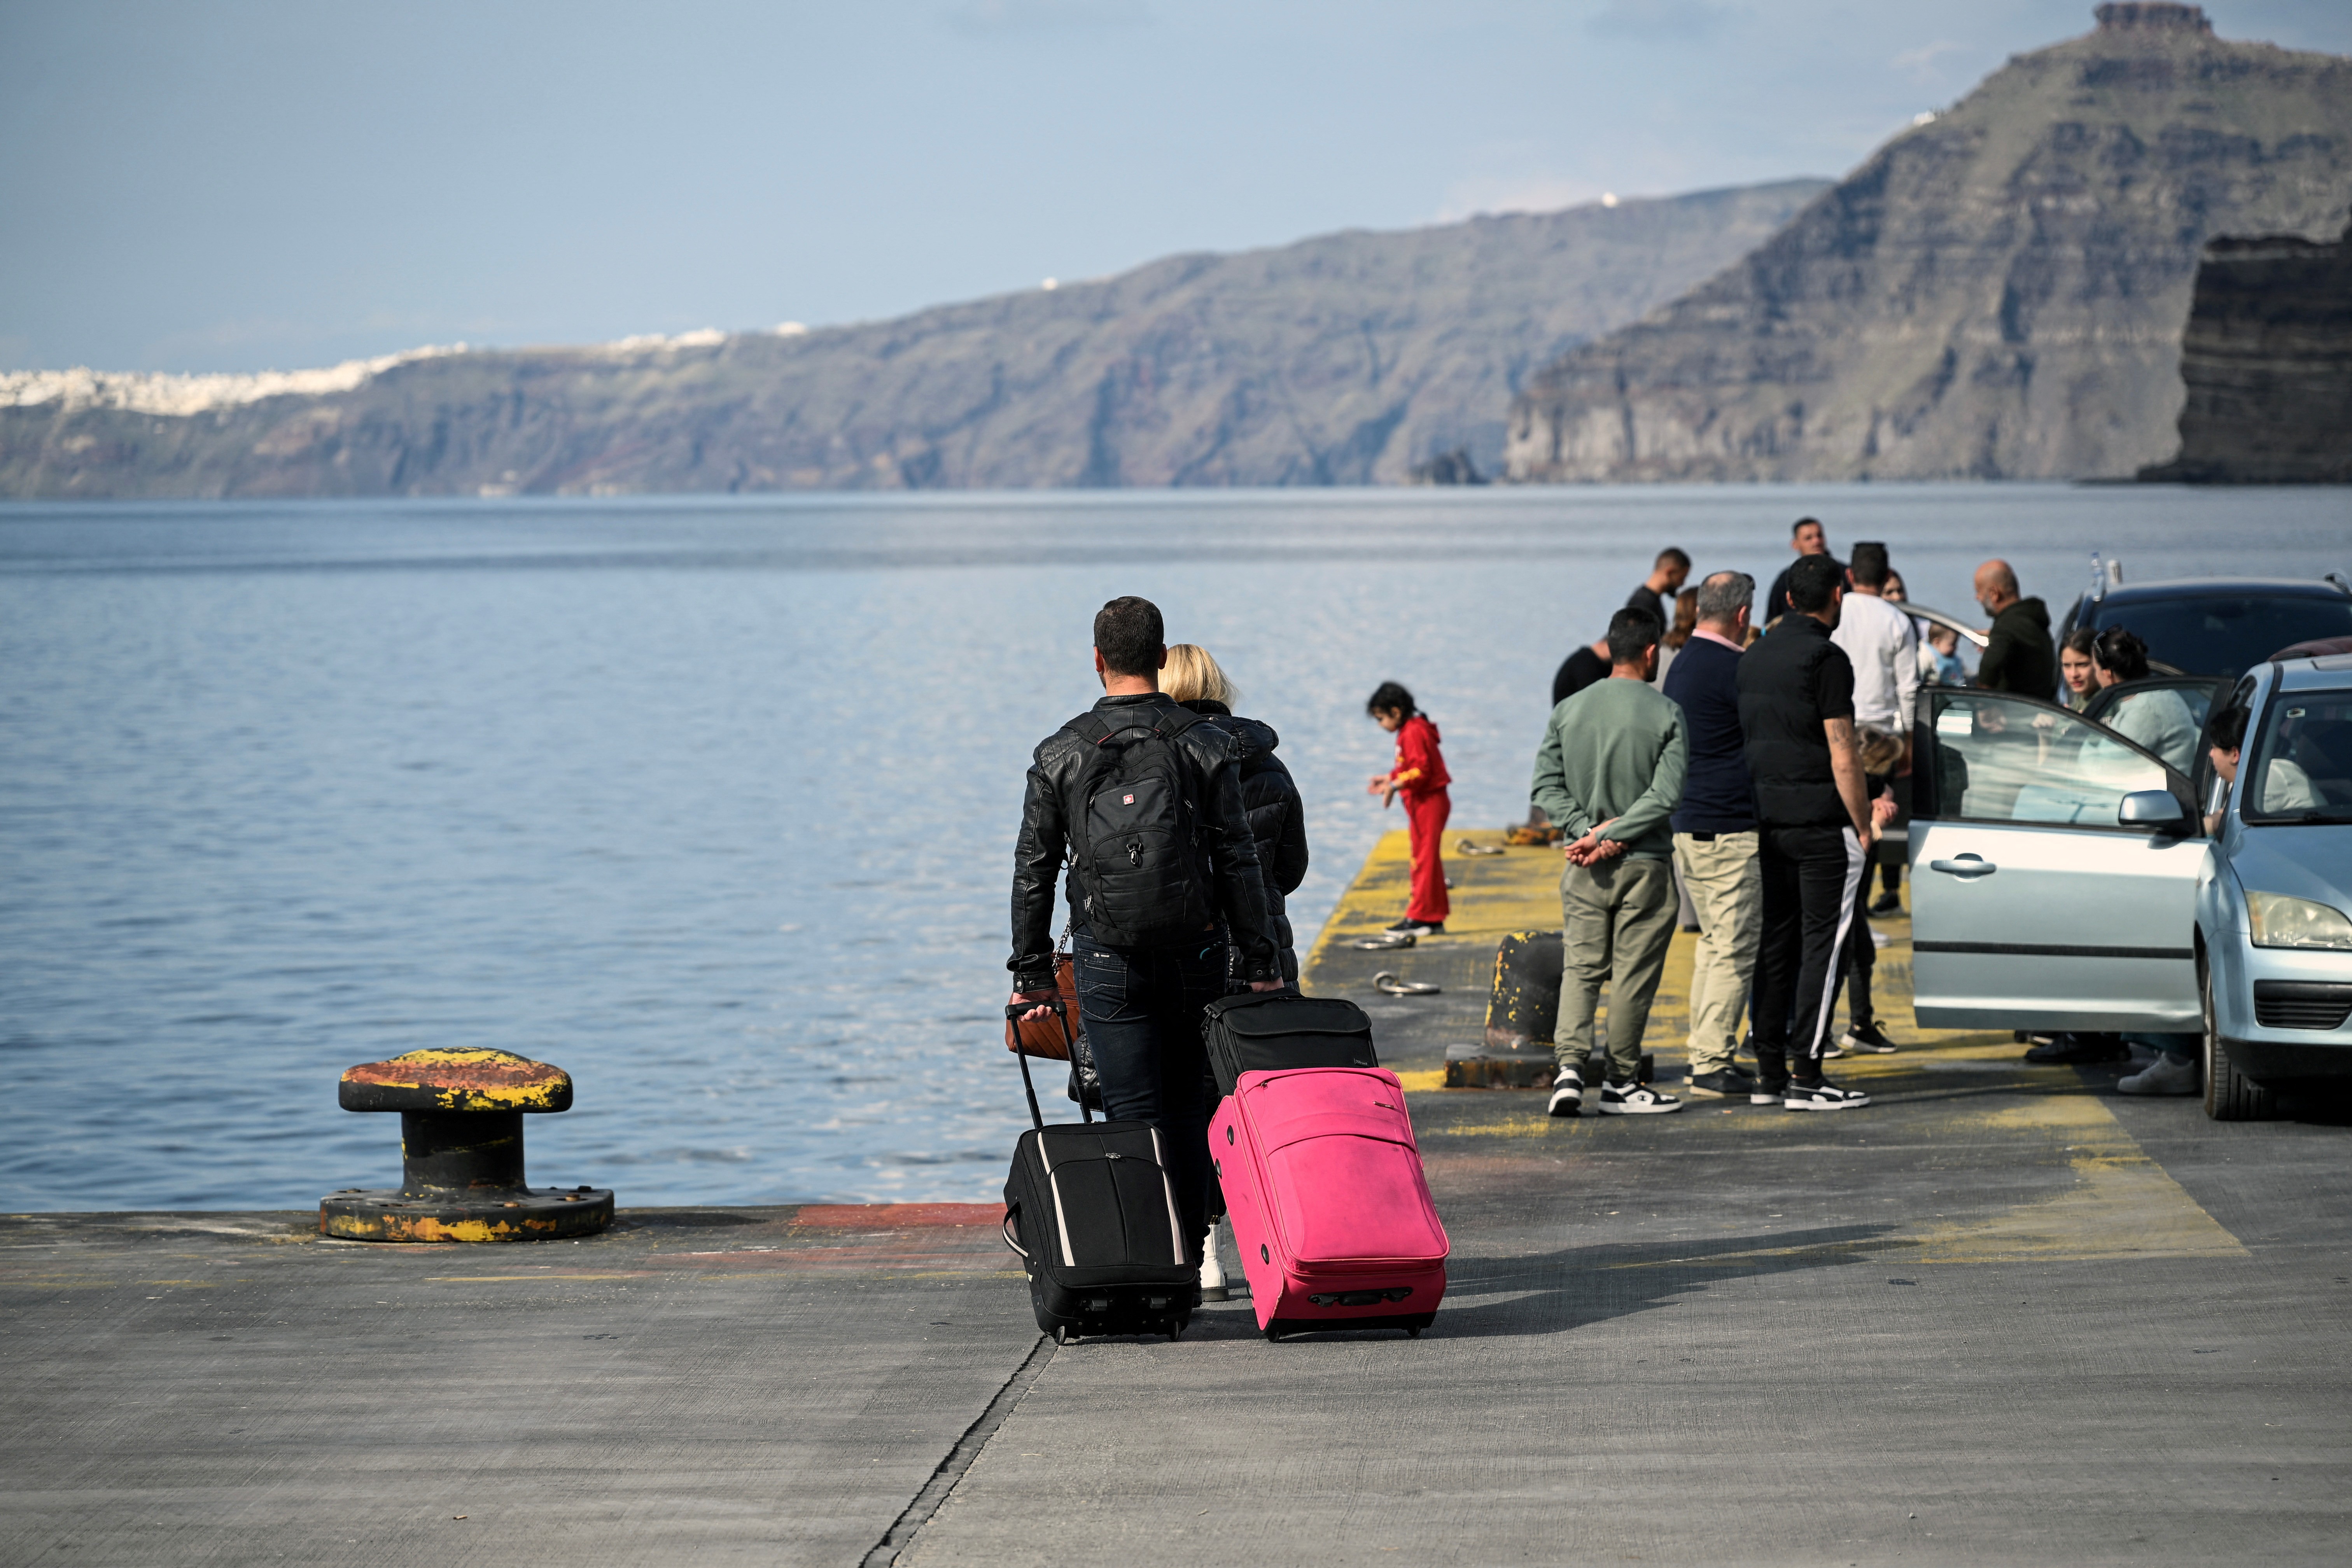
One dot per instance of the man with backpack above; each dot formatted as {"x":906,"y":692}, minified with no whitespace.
{"x":1144,"y":797}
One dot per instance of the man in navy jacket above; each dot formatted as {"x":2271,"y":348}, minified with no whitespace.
{"x":1715,"y":832}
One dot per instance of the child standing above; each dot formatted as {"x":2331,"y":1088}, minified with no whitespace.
{"x":1421,"y":777}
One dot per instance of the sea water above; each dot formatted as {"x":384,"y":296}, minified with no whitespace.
{"x":711,"y":802}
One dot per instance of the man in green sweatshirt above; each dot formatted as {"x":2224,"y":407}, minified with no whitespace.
{"x":1610,"y":775}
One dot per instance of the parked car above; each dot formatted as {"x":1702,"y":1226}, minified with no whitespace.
{"x":2218,"y":626}
{"x":2062,"y":878}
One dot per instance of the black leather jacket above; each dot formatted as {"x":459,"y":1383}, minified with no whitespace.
{"x":1038,"y":853}
{"x":1277,"y":817}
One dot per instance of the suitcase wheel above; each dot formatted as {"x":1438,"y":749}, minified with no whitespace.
{"x":1413,"y":1331}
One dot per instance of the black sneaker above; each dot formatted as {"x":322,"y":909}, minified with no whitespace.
{"x":1768,"y":1093}
{"x":1728,"y":1084}
{"x":1411,"y":927}
{"x":1887,"y":904}
{"x":1821,"y":1095}
{"x":1568,"y":1094}
{"x":1870,"y":1038}
{"x":2077,"y":1049}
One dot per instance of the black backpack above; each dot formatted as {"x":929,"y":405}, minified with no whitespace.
{"x":1135,"y":830}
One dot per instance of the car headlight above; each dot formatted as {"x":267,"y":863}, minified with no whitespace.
{"x":2281,"y":921}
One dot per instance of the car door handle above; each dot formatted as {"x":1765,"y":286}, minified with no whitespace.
{"x":1966,"y":865}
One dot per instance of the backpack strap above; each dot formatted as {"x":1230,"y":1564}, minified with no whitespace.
{"x":1093,"y":729}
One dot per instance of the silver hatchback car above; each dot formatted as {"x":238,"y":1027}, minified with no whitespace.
{"x":2065,"y":877}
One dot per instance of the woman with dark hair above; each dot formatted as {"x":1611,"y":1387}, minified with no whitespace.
{"x":2157,"y":720}
{"x":2074,"y":667}
{"x":1421,"y":777}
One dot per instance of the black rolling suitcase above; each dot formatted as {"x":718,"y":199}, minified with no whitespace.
{"x":1272,"y":1031}
{"x":1091,"y":1209}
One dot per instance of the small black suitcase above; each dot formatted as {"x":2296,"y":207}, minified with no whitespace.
{"x":1269,"y":1031}
{"x":1091,"y":1209}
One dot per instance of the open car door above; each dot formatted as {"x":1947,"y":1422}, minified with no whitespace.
{"x":2040,"y":900}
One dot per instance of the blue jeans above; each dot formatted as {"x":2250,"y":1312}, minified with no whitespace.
{"x":1143,"y":1012}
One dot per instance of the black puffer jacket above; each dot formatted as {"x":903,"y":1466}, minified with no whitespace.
{"x":1278,"y":818}
{"x":1038,"y":853}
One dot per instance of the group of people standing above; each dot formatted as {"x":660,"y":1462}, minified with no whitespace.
{"x":1759,"y":767}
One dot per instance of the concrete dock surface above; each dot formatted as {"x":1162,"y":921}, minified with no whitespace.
{"x":2001,"y":1315}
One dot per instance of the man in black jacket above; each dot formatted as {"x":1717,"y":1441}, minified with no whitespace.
{"x":2018,"y":656}
{"x":1796,"y":721}
{"x":1141,"y":999}
{"x":1808,"y":538}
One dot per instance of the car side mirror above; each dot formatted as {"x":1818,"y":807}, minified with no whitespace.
{"x":2152,"y":808}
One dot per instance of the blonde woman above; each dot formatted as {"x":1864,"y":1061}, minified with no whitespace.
{"x":1277,"y":817}
{"x":1278,"y":820}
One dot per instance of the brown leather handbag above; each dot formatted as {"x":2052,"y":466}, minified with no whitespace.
{"x":1051,"y":1035}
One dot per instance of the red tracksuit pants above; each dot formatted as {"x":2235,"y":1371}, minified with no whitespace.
{"x":1424,"y":816}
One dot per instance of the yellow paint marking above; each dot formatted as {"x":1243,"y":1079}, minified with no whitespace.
{"x":1517,"y":1127}
{"x":1518,"y":890}
{"x":1419,"y":1083}
{"x":2121,"y":1204}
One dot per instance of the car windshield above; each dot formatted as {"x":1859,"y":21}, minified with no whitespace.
{"x":2302,"y":765}
{"x":2226,"y":635}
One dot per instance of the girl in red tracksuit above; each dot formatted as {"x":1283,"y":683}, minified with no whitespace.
{"x":1421,"y":777}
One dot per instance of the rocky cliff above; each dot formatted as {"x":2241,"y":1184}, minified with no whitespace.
{"x":1340,"y":360}
{"x":1996,"y":293}
{"x":2267,"y":364}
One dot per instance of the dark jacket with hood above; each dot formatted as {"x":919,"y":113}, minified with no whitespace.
{"x":1278,"y":818}
{"x":1055,"y":771}
{"x":2018,"y":657}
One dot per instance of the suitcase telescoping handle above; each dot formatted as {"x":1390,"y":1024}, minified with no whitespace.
{"x":1028,"y":1086}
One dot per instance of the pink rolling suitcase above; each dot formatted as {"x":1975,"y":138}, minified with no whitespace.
{"x":1329,"y":1208}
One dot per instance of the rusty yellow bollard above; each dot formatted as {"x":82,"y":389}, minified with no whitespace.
{"x":461,"y":1152}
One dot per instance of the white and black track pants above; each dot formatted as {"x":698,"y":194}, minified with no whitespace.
{"x":1812,"y":888}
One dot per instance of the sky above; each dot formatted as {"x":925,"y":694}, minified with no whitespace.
{"x":246,"y":184}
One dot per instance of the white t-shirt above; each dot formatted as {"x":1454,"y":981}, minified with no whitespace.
{"x":1877,"y":637}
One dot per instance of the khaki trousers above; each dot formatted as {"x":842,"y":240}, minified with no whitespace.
{"x":1726,"y":882}
{"x":1616,"y":920}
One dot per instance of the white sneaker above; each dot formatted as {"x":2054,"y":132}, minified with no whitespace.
{"x":2166,"y":1075}
{"x":1567,"y":1093}
{"x":1635,"y":1099}
{"x":1213,"y":1269}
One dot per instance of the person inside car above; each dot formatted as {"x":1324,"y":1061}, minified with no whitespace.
{"x":2076,"y":671}
{"x":2157,"y":719}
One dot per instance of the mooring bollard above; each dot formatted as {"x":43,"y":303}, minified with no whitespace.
{"x":461,"y":1152}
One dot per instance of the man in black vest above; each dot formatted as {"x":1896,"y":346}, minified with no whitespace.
{"x":1796,"y":716}
{"x":1160,"y":880}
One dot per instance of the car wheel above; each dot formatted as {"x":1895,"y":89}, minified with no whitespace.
{"x":2230,"y":1095}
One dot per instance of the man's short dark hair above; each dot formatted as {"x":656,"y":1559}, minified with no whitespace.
{"x":1814,"y":581}
{"x":2229,"y":731}
{"x":1632,"y":632}
{"x":1869,"y":565}
{"x":1671,"y":556}
{"x":1803,"y":523}
{"x":1130,"y":636}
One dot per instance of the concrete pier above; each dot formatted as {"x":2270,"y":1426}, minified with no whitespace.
{"x":2002,"y":1315}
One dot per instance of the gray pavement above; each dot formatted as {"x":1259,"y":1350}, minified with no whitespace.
{"x":2001,"y":1316}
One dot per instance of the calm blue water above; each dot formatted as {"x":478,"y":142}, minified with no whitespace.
{"x":712,"y":801}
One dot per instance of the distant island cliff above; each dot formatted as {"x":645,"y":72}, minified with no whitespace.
{"x":2267,"y":366}
{"x":1347,"y":359}
{"x":1997,"y":293}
